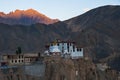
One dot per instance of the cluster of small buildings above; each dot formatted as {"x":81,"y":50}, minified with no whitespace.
{"x":19,"y":59}
{"x":21,"y":67}
{"x":66,"y":49}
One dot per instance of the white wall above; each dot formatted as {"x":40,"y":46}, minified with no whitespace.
{"x":74,"y":53}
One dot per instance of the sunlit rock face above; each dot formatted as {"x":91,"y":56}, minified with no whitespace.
{"x":25,"y":17}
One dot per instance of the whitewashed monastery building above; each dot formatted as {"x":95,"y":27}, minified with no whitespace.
{"x":64,"y":49}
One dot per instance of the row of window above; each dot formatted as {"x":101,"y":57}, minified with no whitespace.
{"x":78,"y":49}
{"x":68,"y":44}
{"x":20,"y":56}
{"x":17,"y":61}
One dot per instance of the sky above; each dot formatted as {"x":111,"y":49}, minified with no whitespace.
{"x":60,"y":9}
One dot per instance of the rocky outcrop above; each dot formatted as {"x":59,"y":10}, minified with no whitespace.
{"x":57,"y":68}
{"x":67,"y":69}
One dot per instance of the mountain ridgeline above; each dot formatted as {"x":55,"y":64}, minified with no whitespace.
{"x":97,"y":31}
{"x":25,"y":17}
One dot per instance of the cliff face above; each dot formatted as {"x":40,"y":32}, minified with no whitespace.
{"x":57,"y":68}
{"x":67,"y":69}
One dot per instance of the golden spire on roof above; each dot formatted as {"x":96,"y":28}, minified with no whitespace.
{"x":55,"y":42}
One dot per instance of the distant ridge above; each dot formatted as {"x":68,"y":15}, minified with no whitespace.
{"x":25,"y":17}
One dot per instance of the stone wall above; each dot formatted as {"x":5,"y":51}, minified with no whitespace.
{"x":31,"y":72}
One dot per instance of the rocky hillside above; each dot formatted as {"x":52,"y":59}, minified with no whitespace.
{"x":97,"y":31}
{"x":30,"y":38}
{"x":25,"y":17}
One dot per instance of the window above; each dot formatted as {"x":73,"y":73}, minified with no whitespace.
{"x":67,"y":44}
{"x":68,"y":48}
{"x":22,"y":60}
{"x":80,"y":49}
{"x":15,"y":61}
{"x":73,"y":48}
{"x":30,"y":60}
{"x":77,"y":49}
{"x":12,"y":61}
{"x":62,"y":49}
{"x":70,"y":44}
{"x":8,"y":56}
{"x":39,"y":54}
{"x":57,"y":44}
{"x":19,"y":56}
